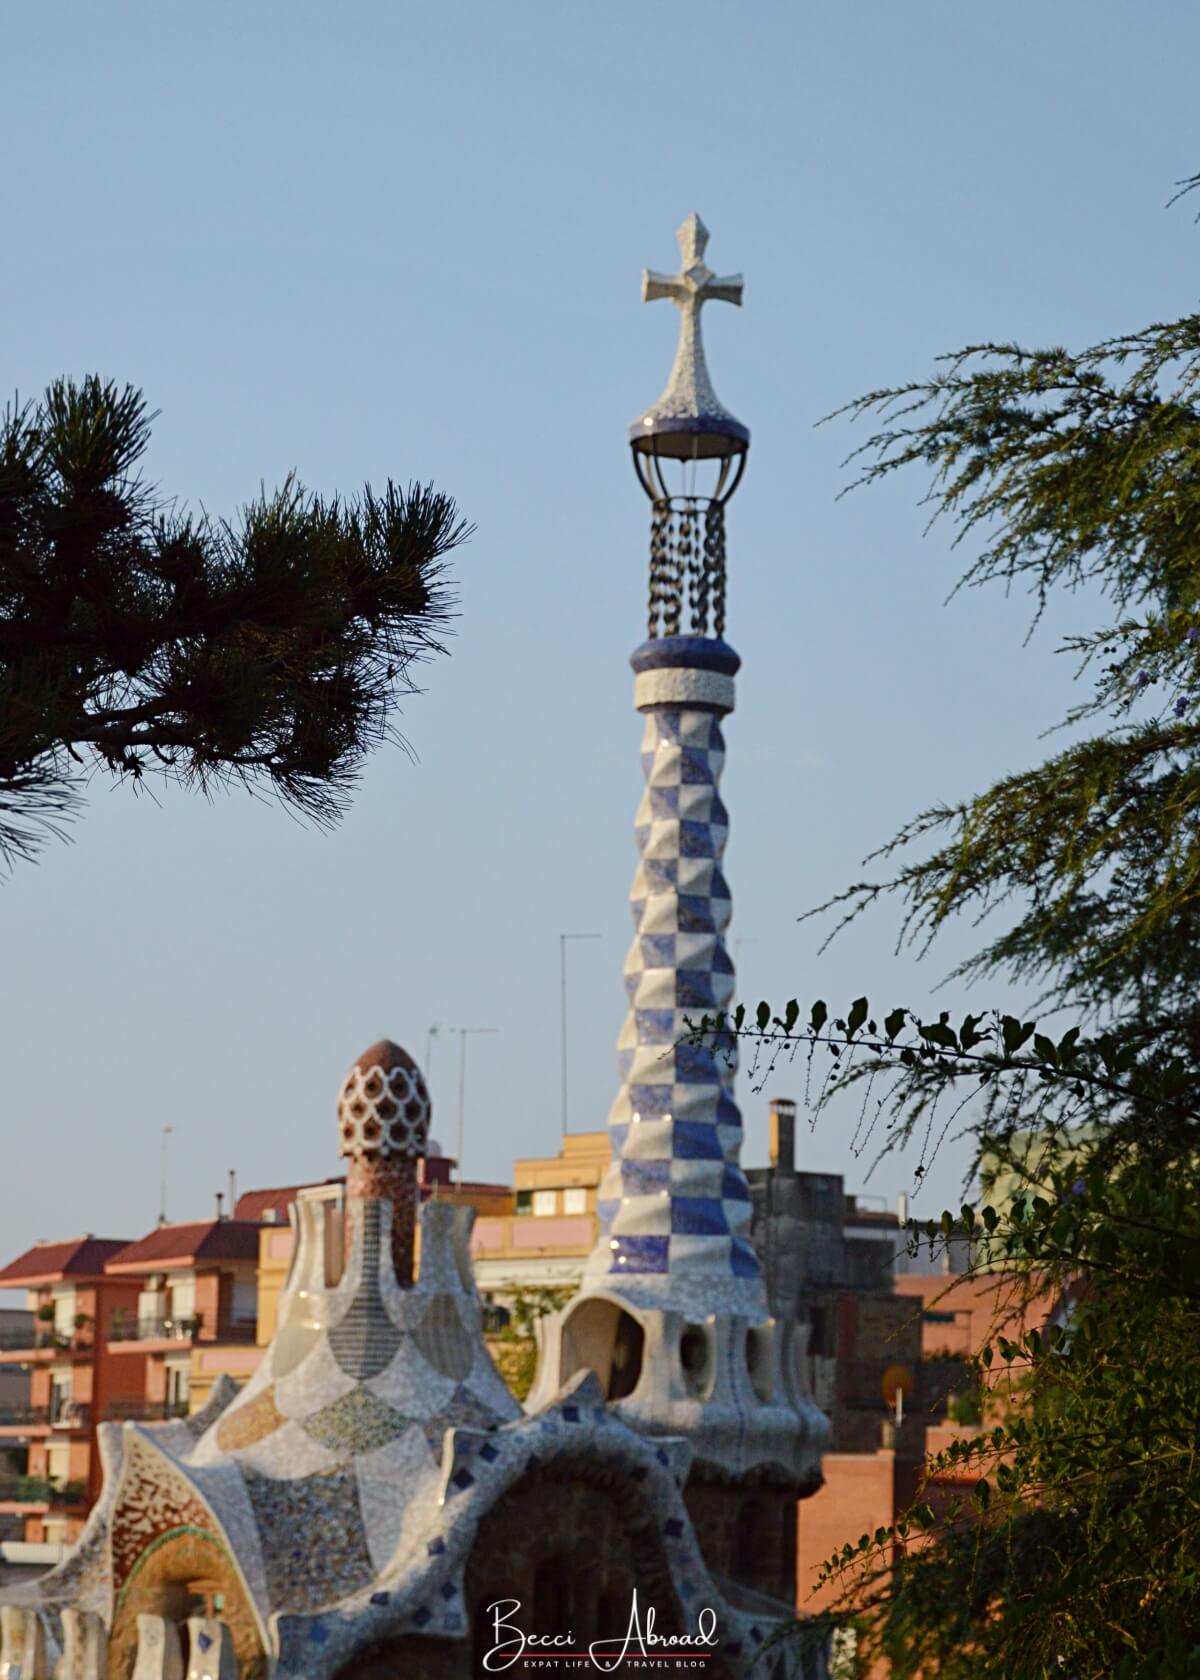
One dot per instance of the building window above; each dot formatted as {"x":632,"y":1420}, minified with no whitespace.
{"x":64,"y":1314}
{"x":545,"y":1201}
{"x":179,"y":1382}
{"x":575,"y":1201}
{"x":183,"y":1297}
{"x":524,"y":1202}
{"x":244,"y":1306}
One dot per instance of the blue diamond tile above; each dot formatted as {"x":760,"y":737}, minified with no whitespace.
{"x":695,"y":914}
{"x":381,"y":1598}
{"x":644,"y":1178}
{"x":695,"y":1064}
{"x":693,"y":1140}
{"x":673,"y":1528}
{"x":655,"y":1026}
{"x":733,"y":1185}
{"x":652,"y":1102}
{"x":463,"y":1478}
{"x":657,"y":950}
{"x":728,"y":1113}
{"x":318,"y":1633}
{"x":489,"y":1452}
{"x":423,"y":1615}
{"x":664,"y":802}
{"x":696,"y":840}
{"x":694,"y":990}
{"x":433,"y":1547}
{"x":448,"y":1589}
{"x":698,"y":1216}
{"x":571,"y":1414}
{"x":640,"y":1254}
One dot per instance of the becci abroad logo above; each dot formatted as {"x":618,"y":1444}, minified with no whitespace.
{"x":639,"y":1647}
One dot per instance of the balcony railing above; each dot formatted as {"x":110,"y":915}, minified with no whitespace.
{"x":60,"y":1414}
{"x":15,"y":1416}
{"x":155,"y":1329}
{"x":146,"y":1411}
{"x":70,"y":1414}
{"x":40,"y":1490}
{"x":180,"y":1329}
{"x":39,"y":1336}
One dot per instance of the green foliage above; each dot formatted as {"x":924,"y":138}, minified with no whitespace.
{"x":136,"y":639}
{"x":1084,"y":1552}
{"x":531,"y":1302}
{"x":1073,"y":469}
{"x":515,"y":1348}
{"x":1064,"y":1537}
{"x":965,"y":1408}
{"x":1082,"y":1549}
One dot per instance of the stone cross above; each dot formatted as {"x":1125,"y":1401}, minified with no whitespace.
{"x":695,"y":283}
{"x":689,"y":395}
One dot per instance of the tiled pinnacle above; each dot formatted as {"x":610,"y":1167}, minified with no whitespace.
{"x":674,"y":1204}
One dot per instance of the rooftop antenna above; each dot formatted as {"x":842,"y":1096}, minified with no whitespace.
{"x":430,"y":1034}
{"x":162,"y":1199}
{"x":463,"y":1034}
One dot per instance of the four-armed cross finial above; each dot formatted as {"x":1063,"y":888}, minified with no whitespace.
{"x":695,"y":283}
{"x":689,"y":405}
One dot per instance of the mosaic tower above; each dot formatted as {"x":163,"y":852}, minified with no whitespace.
{"x":675,"y":1206}
{"x":673,"y":1313}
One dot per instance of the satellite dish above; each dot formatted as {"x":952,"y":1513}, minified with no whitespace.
{"x":896,"y":1380}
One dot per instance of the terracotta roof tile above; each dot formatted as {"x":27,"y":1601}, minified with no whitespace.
{"x":186,"y":1245}
{"x":253,"y":1204}
{"x":44,"y":1262}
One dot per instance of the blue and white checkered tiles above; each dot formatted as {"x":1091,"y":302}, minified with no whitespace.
{"x":674,"y":1206}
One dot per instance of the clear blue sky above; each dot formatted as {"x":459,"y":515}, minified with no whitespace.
{"x":377,"y":239}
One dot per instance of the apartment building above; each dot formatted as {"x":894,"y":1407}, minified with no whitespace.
{"x":544,"y":1238}
{"x":197,"y":1287}
{"x":16,"y":1328}
{"x":72,"y":1381}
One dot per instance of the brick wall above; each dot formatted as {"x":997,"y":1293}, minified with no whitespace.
{"x":858,"y":1497}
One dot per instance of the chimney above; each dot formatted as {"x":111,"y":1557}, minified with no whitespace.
{"x":232,"y":1193}
{"x":781,"y":1143}
{"x":220,"y":1209}
{"x":383,"y":1123}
